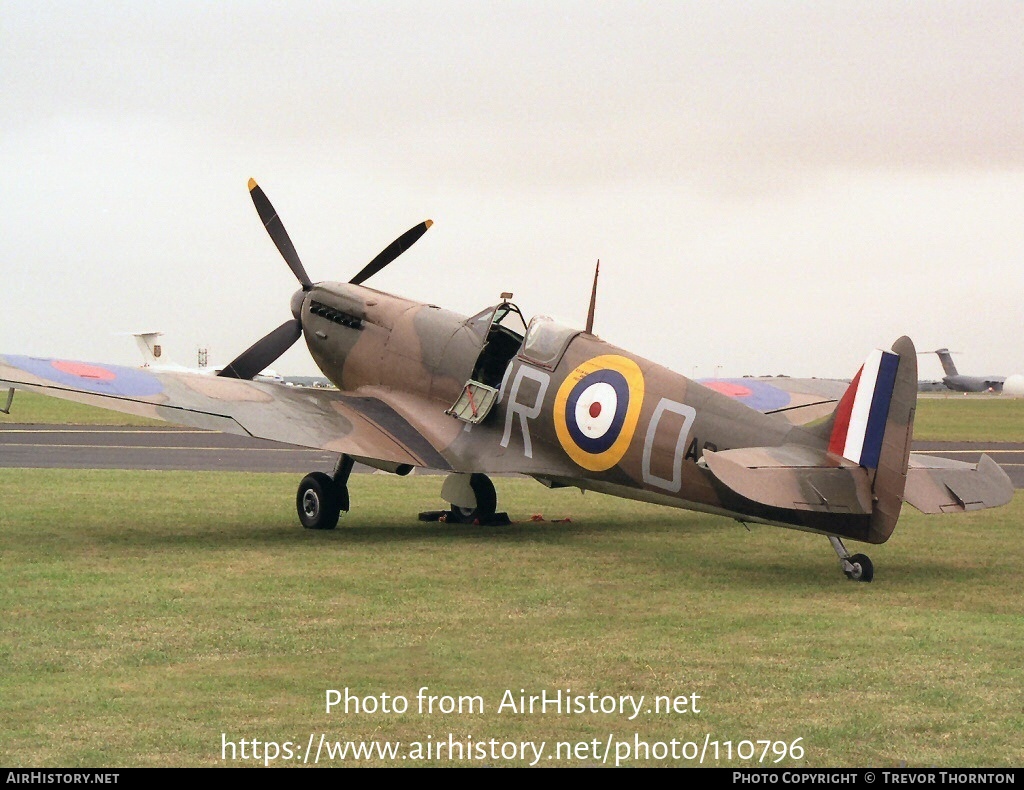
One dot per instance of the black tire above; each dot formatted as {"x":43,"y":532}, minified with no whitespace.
{"x":486,"y":503}
{"x":318,"y":502}
{"x":863,"y":570}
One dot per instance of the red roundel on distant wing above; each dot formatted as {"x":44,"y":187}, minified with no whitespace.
{"x":84,"y":370}
{"x":728,"y":388}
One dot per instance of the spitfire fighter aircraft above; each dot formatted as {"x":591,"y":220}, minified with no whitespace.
{"x":420,"y":386}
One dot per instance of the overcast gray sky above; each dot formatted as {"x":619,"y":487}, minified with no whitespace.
{"x":770,"y":186}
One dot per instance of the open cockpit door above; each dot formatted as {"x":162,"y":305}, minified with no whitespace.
{"x":501,"y":329}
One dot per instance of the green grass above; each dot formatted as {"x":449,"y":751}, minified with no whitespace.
{"x":144,"y":614}
{"x":147,"y":613}
{"x":974,"y":418}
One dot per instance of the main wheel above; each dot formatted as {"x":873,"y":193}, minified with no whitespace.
{"x":486,"y":502}
{"x":318,"y":502}
{"x":863,"y":570}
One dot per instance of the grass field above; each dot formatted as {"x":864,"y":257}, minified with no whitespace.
{"x":975,"y":418}
{"x":145,"y":614}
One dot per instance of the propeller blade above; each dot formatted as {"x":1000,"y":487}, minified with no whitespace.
{"x":264,"y":352}
{"x":392,"y":251}
{"x":275,"y":228}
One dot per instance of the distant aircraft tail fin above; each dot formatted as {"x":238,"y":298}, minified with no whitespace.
{"x":946,"y":358}
{"x":150,"y":348}
{"x":873,"y":426}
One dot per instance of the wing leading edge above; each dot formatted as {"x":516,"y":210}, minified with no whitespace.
{"x":359,"y":425}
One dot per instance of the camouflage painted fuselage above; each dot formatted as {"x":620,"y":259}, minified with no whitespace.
{"x":416,"y":359}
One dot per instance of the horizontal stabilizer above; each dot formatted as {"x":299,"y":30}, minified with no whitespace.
{"x":794,"y":477}
{"x":939,"y":485}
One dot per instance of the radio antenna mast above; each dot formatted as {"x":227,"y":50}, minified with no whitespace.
{"x":593,"y":300}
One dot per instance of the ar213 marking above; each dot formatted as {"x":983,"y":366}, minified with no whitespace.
{"x":530,"y":410}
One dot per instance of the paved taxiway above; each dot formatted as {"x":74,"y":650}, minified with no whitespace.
{"x":1009,"y":455}
{"x":104,"y":447}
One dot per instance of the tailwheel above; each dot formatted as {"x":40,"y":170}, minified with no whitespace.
{"x":857,"y":567}
{"x":861,"y":568}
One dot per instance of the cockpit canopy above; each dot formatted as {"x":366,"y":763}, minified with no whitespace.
{"x":546,"y":341}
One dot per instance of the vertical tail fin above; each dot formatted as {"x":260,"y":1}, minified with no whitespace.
{"x":873,"y":427}
{"x":946,"y":358}
{"x":149,"y":346}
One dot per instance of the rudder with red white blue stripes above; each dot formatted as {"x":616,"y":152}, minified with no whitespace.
{"x":860,"y":418}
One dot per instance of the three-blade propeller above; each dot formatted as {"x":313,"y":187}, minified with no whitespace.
{"x":265,"y":351}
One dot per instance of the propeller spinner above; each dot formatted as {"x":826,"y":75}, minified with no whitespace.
{"x":265,"y":351}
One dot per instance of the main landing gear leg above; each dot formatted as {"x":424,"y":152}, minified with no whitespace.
{"x":321,"y":498}
{"x":856,"y":566}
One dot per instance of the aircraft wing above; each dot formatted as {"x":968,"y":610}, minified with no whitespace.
{"x":798,"y":401}
{"x":358,"y":424}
